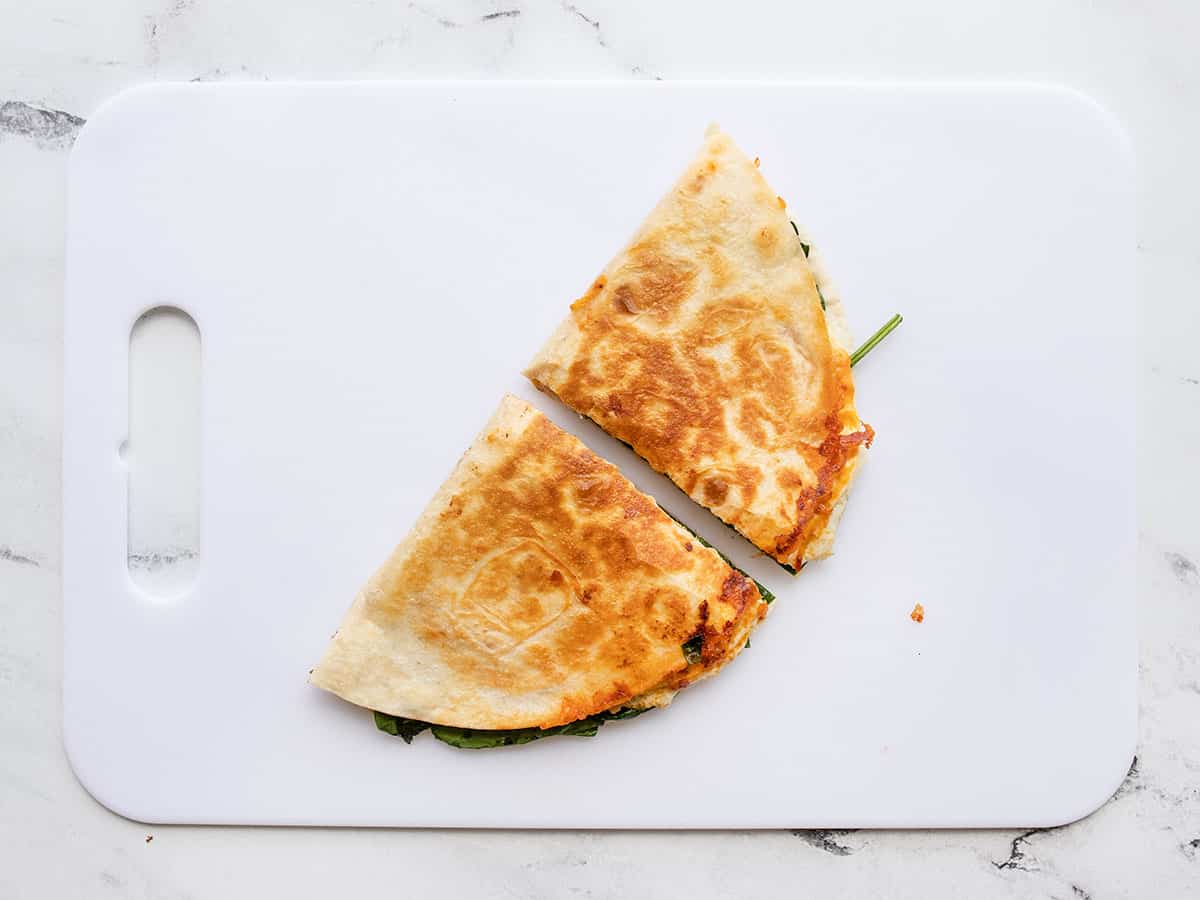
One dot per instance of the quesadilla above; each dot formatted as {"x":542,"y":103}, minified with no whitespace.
{"x":714,"y":347}
{"x":538,"y":593}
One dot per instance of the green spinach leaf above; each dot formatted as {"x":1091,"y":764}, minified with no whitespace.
{"x":400,"y":727}
{"x":693,"y":649}
{"x":873,"y":341}
{"x":472,"y":739}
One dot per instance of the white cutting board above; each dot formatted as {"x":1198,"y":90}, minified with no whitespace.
{"x":370,"y":266}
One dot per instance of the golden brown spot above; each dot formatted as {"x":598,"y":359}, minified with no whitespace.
{"x":766,"y":240}
{"x":715,"y":491}
{"x":453,"y":509}
{"x":623,"y":296}
{"x":595,"y":290}
{"x":748,"y":479}
{"x":655,"y":282}
{"x":738,"y":591}
{"x":714,"y":322}
{"x":767,"y":366}
{"x":718,"y":266}
{"x":544,"y":663}
{"x":751,"y":416}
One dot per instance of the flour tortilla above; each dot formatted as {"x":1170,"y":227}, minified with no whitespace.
{"x":704,"y":345}
{"x":538,"y":587}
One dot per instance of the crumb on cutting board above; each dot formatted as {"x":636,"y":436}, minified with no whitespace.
{"x":918,"y":613}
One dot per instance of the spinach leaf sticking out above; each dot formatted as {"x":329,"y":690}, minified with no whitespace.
{"x":803,"y":246}
{"x":472,"y":739}
{"x":400,"y":727}
{"x":693,"y":649}
{"x":873,"y":341}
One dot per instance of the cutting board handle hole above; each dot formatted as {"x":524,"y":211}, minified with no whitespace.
{"x":162,"y":453}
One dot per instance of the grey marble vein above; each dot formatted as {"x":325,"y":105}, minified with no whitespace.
{"x":154,"y":24}
{"x":104,"y":63}
{"x":1191,"y":849}
{"x":1017,"y":858}
{"x":150,"y":24}
{"x":159,"y":559}
{"x":218,"y":73}
{"x":112,"y":880}
{"x":7,"y":554}
{"x":1185,"y":570}
{"x":601,"y":40}
{"x":444,"y":21}
{"x":447,"y":22}
{"x":49,"y":129}
{"x":572,"y":8}
{"x":1132,"y":783}
{"x":826,"y":839}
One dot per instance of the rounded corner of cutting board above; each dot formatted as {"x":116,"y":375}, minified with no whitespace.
{"x":96,"y":785}
{"x":1107,"y":122}
{"x":1094,"y":791}
{"x":108,"y":120}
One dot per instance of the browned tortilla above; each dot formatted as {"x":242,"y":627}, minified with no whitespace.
{"x":538,"y":587}
{"x":704,"y":346}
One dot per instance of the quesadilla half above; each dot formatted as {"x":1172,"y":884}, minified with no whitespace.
{"x":539,"y":592}
{"x":712,"y":345}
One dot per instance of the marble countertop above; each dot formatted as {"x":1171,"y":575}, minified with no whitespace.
{"x":60,"y":59}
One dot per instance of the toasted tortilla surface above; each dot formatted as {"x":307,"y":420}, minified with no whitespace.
{"x":538,"y":587}
{"x":705,"y":345}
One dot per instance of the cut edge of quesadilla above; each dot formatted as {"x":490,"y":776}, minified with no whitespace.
{"x":672,"y":273}
{"x":821,"y":545}
{"x":513,"y":604}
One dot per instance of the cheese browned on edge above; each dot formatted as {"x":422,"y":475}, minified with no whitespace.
{"x":538,"y":587}
{"x":704,"y":346}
